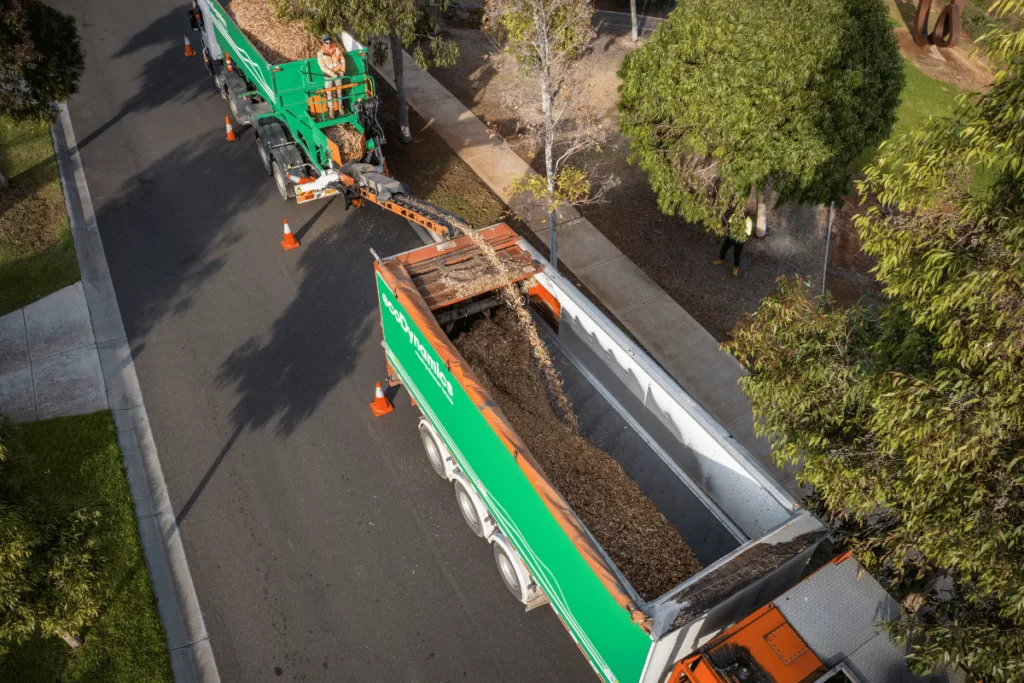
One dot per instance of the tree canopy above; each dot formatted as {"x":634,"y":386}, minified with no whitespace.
{"x":40,"y":59}
{"x":727,"y":97}
{"x":908,"y":415}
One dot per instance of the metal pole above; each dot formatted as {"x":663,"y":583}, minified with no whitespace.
{"x":828,"y":243}
{"x":632,"y":11}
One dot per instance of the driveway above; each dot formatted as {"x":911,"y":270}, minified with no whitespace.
{"x":322,"y":546}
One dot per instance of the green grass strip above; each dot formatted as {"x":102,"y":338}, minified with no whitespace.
{"x":70,"y":462}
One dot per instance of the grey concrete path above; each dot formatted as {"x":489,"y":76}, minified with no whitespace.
{"x":678,"y":342}
{"x":49,"y":361}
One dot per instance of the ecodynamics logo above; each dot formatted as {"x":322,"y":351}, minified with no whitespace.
{"x":435,"y":369}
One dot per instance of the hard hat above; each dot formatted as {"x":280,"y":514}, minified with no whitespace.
{"x":325,"y":38}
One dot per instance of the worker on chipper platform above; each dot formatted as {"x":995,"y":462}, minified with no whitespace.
{"x":332,"y":63}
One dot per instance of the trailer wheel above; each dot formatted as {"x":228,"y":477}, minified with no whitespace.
{"x":468,"y":509}
{"x":284,"y":186}
{"x":509,"y":575}
{"x":265,"y":156}
{"x":434,"y":454}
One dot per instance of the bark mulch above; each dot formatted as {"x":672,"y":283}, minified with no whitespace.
{"x":348,"y":139}
{"x":640,"y":541}
{"x":278,"y":40}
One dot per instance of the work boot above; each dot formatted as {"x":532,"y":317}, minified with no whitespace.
{"x":718,"y":262}
{"x":735,"y":271}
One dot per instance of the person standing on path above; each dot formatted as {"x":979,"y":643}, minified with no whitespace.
{"x":736,"y":246}
{"x":332,"y":63}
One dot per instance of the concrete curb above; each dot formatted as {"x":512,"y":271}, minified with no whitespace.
{"x":191,"y":656}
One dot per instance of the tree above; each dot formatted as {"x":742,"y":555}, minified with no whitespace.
{"x":40,"y":59}
{"x":730,"y":98}
{"x":546,"y":38}
{"x":401,"y":23}
{"x":48,"y":565}
{"x":908,"y":415}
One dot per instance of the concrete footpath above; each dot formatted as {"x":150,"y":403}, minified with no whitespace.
{"x":678,"y":342}
{"x":49,"y":360}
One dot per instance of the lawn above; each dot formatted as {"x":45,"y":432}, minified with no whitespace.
{"x":37,"y":255}
{"x":71,"y":462}
{"x":922,"y":97}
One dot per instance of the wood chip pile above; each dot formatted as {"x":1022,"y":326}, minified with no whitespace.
{"x":640,"y":541}
{"x":277,"y":40}
{"x":348,"y":139}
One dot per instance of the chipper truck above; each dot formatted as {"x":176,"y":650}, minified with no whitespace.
{"x":296,"y":130}
{"x":752,"y":539}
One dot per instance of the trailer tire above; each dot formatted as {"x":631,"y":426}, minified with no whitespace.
{"x":434,"y":453}
{"x":284,"y":186}
{"x":508,"y":571}
{"x":265,"y":156}
{"x":467,"y":506}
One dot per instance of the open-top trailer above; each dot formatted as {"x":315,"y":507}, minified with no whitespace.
{"x":752,"y":537}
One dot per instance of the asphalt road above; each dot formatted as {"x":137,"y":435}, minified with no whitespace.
{"x":322,"y":546}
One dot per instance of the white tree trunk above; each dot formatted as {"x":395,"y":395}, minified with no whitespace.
{"x":405,"y":134}
{"x":546,"y":104}
{"x":632,"y":12}
{"x":761,"y":228}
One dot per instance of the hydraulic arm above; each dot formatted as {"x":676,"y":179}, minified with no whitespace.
{"x":358,"y":181}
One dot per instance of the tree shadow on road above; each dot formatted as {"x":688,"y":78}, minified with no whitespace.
{"x":166,"y":76}
{"x":282,"y":376}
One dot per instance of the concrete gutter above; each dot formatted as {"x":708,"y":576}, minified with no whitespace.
{"x":191,"y":656}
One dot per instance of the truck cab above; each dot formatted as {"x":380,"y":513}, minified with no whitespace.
{"x":825,"y":629}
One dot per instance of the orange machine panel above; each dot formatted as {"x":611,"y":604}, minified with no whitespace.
{"x":763,"y":648}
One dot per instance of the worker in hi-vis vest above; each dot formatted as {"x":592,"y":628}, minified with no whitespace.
{"x":332,"y":63}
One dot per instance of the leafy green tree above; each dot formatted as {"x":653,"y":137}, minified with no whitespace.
{"x":729,"y":98}
{"x":908,"y":415}
{"x":49,"y":564}
{"x":40,"y":59}
{"x":402,"y":23}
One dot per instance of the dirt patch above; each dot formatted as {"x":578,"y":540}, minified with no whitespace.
{"x":279,"y":41}
{"x":350,"y":141}
{"x":640,"y":541}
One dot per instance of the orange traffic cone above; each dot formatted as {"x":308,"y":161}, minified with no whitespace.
{"x":228,"y":63}
{"x":381,"y":405}
{"x":189,"y":51}
{"x":289,"y":242}
{"x":231,"y":137}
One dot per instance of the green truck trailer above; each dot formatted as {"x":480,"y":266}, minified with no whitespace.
{"x":751,"y":536}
